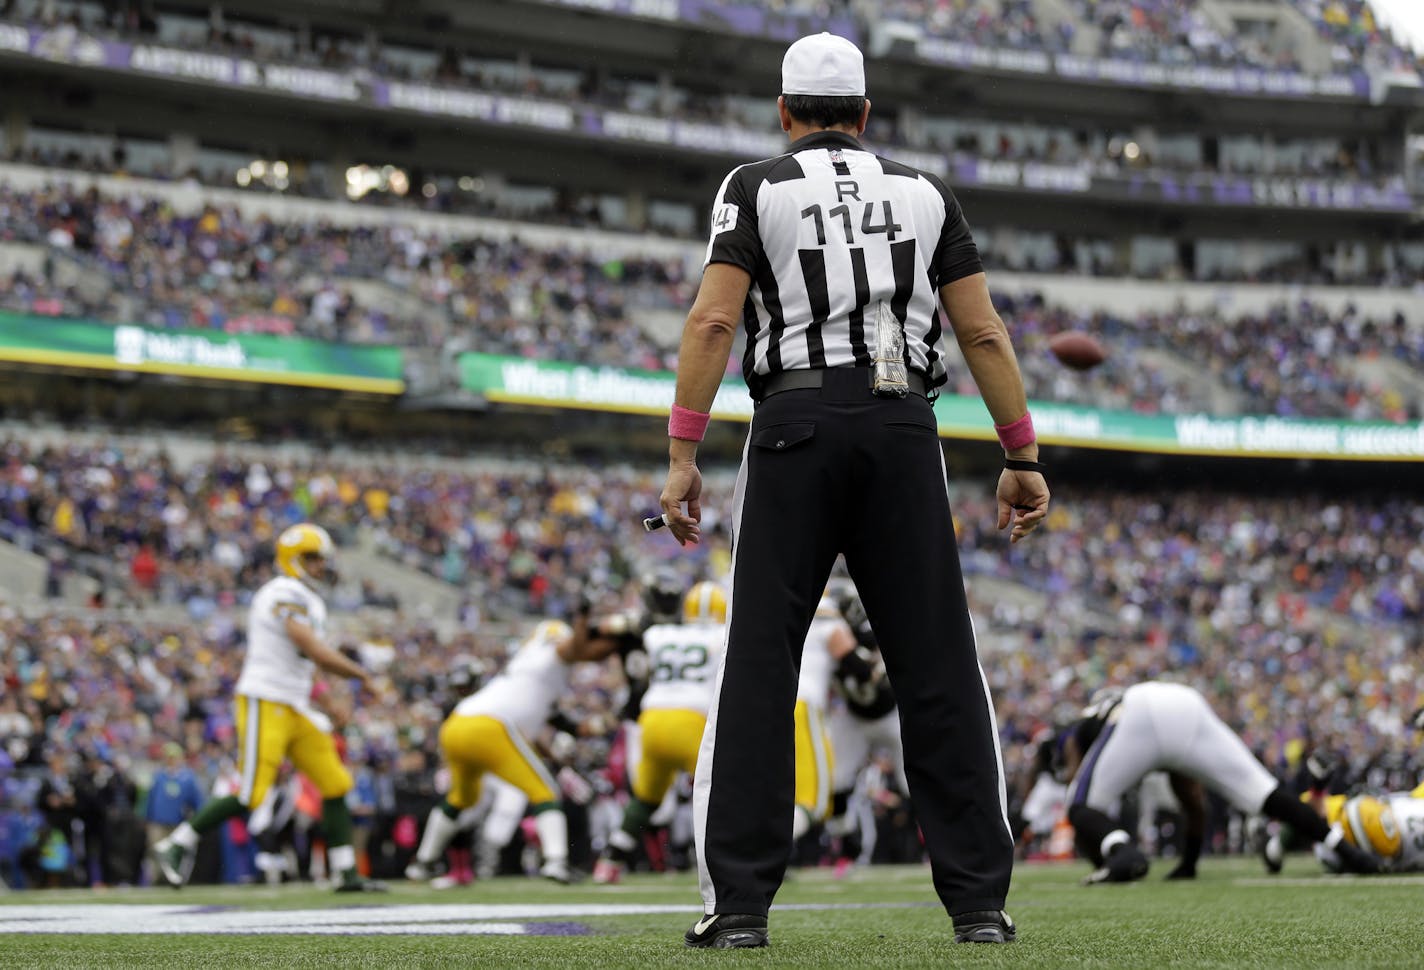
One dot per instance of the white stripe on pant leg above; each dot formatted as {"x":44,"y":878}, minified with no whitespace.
{"x":250,"y":751}
{"x":536,"y":764}
{"x":821,"y":760}
{"x":702,"y":778}
{"x":506,"y":810}
{"x":984,"y":682}
{"x":994,"y":734}
{"x":633,"y":751}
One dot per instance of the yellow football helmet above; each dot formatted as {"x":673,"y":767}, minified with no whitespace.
{"x":1369,"y":824}
{"x":298,"y":542}
{"x":705,"y":603}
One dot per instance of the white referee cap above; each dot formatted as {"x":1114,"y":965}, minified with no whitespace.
{"x":823,"y":64}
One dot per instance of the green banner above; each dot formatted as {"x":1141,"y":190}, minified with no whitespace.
{"x":517,"y":380}
{"x":251,"y":358}
{"x":520,"y":381}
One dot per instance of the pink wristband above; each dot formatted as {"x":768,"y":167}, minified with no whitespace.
{"x":1016,"y":434}
{"x":687,"y":424}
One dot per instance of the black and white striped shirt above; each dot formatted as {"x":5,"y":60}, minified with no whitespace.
{"x":828,"y":231}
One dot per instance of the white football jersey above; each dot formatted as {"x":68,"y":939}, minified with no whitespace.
{"x":1403,"y":815}
{"x":274,"y":669}
{"x":1409,"y":817}
{"x":526,"y":691}
{"x":684,"y":660}
{"x":817,"y":669}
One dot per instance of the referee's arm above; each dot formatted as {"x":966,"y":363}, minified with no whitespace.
{"x":987,"y":349}
{"x":701,"y":363}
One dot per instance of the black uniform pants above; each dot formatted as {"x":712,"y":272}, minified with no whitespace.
{"x":836,"y":470}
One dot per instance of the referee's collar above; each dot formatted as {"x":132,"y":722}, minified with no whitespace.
{"x":825,"y":139}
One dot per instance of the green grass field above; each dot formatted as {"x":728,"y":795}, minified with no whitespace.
{"x":1233,"y":916}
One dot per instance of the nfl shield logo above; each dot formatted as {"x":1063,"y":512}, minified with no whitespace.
{"x":836,"y":156}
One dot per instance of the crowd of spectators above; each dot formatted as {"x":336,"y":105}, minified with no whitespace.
{"x":144,"y":262}
{"x":1297,"y":615}
{"x":1356,"y":37}
{"x":1172,"y":32}
{"x":140,"y":261}
{"x":201,"y":536}
{"x":984,"y":23}
{"x":1293,"y":360}
{"x":1176,"y":32}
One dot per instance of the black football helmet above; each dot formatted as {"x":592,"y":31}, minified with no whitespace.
{"x":662,"y":596}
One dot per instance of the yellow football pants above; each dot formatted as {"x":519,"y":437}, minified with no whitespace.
{"x":475,"y":744}
{"x":670,"y":739}
{"x":814,"y":763}
{"x":269,"y":732}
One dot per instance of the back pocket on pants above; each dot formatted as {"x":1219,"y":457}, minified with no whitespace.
{"x":783,"y":437}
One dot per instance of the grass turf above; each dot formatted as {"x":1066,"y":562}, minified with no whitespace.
{"x":1232,"y":916}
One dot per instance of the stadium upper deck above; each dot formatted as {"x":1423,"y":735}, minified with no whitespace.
{"x":684,"y":90}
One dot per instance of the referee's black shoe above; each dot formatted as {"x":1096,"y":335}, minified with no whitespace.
{"x":725,"y":931}
{"x":985,"y":926}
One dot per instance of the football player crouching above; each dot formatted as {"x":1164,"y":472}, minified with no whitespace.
{"x":1124,"y":734}
{"x":490,"y":732}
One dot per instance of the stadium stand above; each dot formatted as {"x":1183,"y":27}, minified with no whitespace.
{"x":221,"y":270}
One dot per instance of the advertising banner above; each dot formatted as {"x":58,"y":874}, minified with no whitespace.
{"x":516,"y":380}
{"x":211,"y":354}
{"x":1223,"y":80}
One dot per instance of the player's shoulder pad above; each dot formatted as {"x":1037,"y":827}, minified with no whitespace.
{"x":288,"y":590}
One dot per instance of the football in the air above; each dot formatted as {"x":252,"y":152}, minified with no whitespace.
{"x":1077,"y":350}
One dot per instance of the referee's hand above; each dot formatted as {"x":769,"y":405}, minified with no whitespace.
{"x":684,"y":484}
{"x":1024,"y":493}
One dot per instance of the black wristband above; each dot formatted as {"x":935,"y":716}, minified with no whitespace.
{"x":1024,"y":465}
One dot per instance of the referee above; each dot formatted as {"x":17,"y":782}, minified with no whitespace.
{"x":834,"y":259}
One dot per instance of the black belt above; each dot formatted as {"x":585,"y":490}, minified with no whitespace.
{"x":798,"y":380}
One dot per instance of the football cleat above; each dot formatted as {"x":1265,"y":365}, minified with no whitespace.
{"x":174,"y":862}
{"x":419,"y":871}
{"x":1273,"y":854}
{"x":1125,"y":863}
{"x":352,"y":881}
{"x":1182,"y":871}
{"x":557,"y":870}
{"x":726,"y":931}
{"x":607,"y":872}
{"x":985,"y":926}
{"x":451,"y":881}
